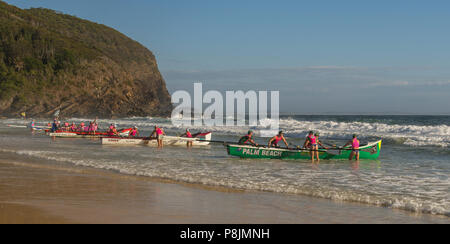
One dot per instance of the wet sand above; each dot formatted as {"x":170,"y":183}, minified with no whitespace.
{"x":36,"y":193}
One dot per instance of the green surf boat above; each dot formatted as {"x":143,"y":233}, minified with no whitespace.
{"x":369,"y":151}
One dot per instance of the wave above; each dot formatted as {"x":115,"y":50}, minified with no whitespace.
{"x":410,"y":135}
{"x":257,"y":180}
{"x":406,"y":134}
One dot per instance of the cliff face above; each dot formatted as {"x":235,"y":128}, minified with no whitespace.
{"x":51,"y":61}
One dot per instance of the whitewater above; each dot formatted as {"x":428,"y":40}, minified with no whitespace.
{"x":412,"y":173}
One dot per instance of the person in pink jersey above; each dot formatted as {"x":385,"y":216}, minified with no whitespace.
{"x":158,"y":133}
{"x":82,"y":127}
{"x":134,"y":132}
{"x":273,"y":142}
{"x":66,"y":126}
{"x":188,"y":135}
{"x":113,"y":131}
{"x":73,"y":127}
{"x":312,"y":142}
{"x":93,"y":127}
{"x":355,"y":148}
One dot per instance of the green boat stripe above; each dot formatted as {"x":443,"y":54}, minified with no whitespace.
{"x":370,"y":151}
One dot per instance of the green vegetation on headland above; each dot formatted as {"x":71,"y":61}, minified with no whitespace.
{"x":51,"y":61}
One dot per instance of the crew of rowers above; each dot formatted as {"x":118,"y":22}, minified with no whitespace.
{"x":312,"y":143}
{"x":66,"y":126}
{"x":157,"y":133}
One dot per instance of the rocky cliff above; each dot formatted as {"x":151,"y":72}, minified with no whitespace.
{"x":51,"y":61}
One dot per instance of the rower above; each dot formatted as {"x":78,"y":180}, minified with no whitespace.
{"x":308,"y":140}
{"x":32,"y":124}
{"x":315,"y":142}
{"x":93,"y":127}
{"x":113,"y":131}
{"x":54,"y":126}
{"x":134,"y":132}
{"x":355,"y":147}
{"x":82,"y":127}
{"x":319,"y":142}
{"x":274,"y":141}
{"x":188,"y":135}
{"x":73,"y":127}
{"x":247,"y":139}
{"x":158,"y":133}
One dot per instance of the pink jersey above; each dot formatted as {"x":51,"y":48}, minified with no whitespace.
{"x":159,"y":131}
{"x":133,"y":132}
{"x":312,"y":139}
{"x":355,"y":143}
{"x":188,"y":134}
{"x":277,"y":139}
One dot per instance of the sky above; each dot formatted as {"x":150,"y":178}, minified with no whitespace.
{"x":325,"y":57}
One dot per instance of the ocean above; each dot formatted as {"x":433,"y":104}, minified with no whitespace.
{"x":412,"y":173}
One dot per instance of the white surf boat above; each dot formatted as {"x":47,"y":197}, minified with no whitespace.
{"x":17,"y":126}
{"x":28,"y":127}
{"x":200,"y":139}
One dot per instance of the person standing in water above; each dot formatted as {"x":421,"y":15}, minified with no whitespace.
{"x":188,"y":134}
{"x":54,"y":126}
{"x":273,"y":142}
{"x":311,"y":143}
{"x":355,"y":147}
{"x":158,"y":133}
{"x":314,"y":143}
{"x":32,"y":124}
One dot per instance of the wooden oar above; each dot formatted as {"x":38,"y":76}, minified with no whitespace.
{"x":329,"y":144}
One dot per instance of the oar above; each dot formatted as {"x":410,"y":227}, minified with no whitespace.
{"x":329,"y":144}
{"x":221,"y":142}
{"x":228,"y":142}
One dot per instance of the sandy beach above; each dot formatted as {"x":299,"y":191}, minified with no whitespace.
{"x":34,"y":193}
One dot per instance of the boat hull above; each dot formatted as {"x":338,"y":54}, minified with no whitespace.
{"x":69,"y":134}
{"x":167,"y":140}
{"x":370,"y":151}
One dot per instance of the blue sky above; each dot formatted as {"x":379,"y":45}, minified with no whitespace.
{"x":323,"y":56}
